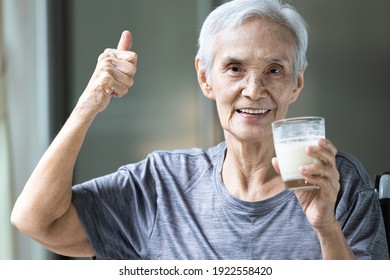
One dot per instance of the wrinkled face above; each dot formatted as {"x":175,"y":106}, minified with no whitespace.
{"x":252,"y":78}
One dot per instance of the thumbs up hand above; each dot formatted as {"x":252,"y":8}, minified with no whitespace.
{"x":113,"y":75}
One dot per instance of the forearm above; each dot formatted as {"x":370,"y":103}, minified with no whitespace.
{"x":47,"y":194}
{"x":333,"y":243}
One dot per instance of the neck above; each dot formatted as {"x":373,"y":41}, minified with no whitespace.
{"x":248,"y":172}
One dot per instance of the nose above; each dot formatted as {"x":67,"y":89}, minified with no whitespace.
{"x":254,"y":88}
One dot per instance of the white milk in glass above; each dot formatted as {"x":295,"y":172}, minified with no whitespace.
{"x":291,"y":137}
{"x":290,"y":157}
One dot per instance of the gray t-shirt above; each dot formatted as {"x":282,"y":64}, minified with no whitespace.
{"x":174,"y":205}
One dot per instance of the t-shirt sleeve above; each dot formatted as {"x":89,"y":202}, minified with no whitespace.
{"x":359,"y":211}
{"x":118,"y":211}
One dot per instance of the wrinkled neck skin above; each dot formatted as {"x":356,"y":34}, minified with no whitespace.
{"x":247,"y":172}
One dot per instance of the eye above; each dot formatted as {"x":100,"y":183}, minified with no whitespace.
{"x":275,"y":70}
{"x":234,"y":68}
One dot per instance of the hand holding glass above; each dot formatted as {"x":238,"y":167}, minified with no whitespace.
{"x":291,"y":137}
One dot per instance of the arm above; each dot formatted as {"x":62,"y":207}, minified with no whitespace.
{"x":44,"y":210}
{"x":333,"y":243}
{"x":319,"y":205}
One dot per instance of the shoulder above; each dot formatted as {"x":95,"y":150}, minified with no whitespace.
{"x":356,"y":186}
{"x":358,"y":209}
{"x":352,"y":171}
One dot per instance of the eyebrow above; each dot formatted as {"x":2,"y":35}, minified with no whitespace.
{"x":233,"y":60}
{"x":271,"y":59}
{"x":274,"y":59}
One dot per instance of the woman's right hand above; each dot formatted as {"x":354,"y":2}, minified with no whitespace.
{"x":113,"y":76}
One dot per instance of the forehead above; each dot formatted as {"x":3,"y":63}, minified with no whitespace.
{"x":256,"y":38}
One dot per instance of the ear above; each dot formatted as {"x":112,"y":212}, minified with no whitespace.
{"x":299,"y":86}
{"x":202,"y":80}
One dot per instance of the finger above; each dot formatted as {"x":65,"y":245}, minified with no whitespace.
{"x":126,"y":62}
{"x":313,"y":171}
{"x":125,"y":41}
{"x":120,"y":83}
{"x":328,"y":180}
{"x":123,"y":81}
{"x":122,"y":55}
{"x":126,"y":68}
{"x":325,"y":152}
{"x":119,"y":90}
{"x":119,"y":61}
{"x":114,"y":87}
{"x":320,"y":173}
{"x":326,"y":144}
{"x":320,"y":156}
{"x":112,"y":79}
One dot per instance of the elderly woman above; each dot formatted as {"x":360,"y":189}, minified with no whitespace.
{"x":228,"y":202}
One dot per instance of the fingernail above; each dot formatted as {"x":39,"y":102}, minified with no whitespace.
{"x":304,"y":169}
{"x":323,"y":142}
{"x":311,"y":149}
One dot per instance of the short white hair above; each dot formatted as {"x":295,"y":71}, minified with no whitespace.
{"x":236,"y":12}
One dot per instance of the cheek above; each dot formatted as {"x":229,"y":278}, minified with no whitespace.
{"x":225,"y":108}
{"x":283,"y":93}
{"x":226,"y":94}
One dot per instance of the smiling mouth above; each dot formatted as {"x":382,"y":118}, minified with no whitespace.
{"x":253,"y":112}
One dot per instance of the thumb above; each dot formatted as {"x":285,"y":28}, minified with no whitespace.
{"x":275,"y":164}
{"x":125,"y":41}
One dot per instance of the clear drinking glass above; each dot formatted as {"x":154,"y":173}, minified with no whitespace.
{"x":291,"y":137}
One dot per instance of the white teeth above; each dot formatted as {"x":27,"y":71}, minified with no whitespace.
{"x":250,"y":111}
